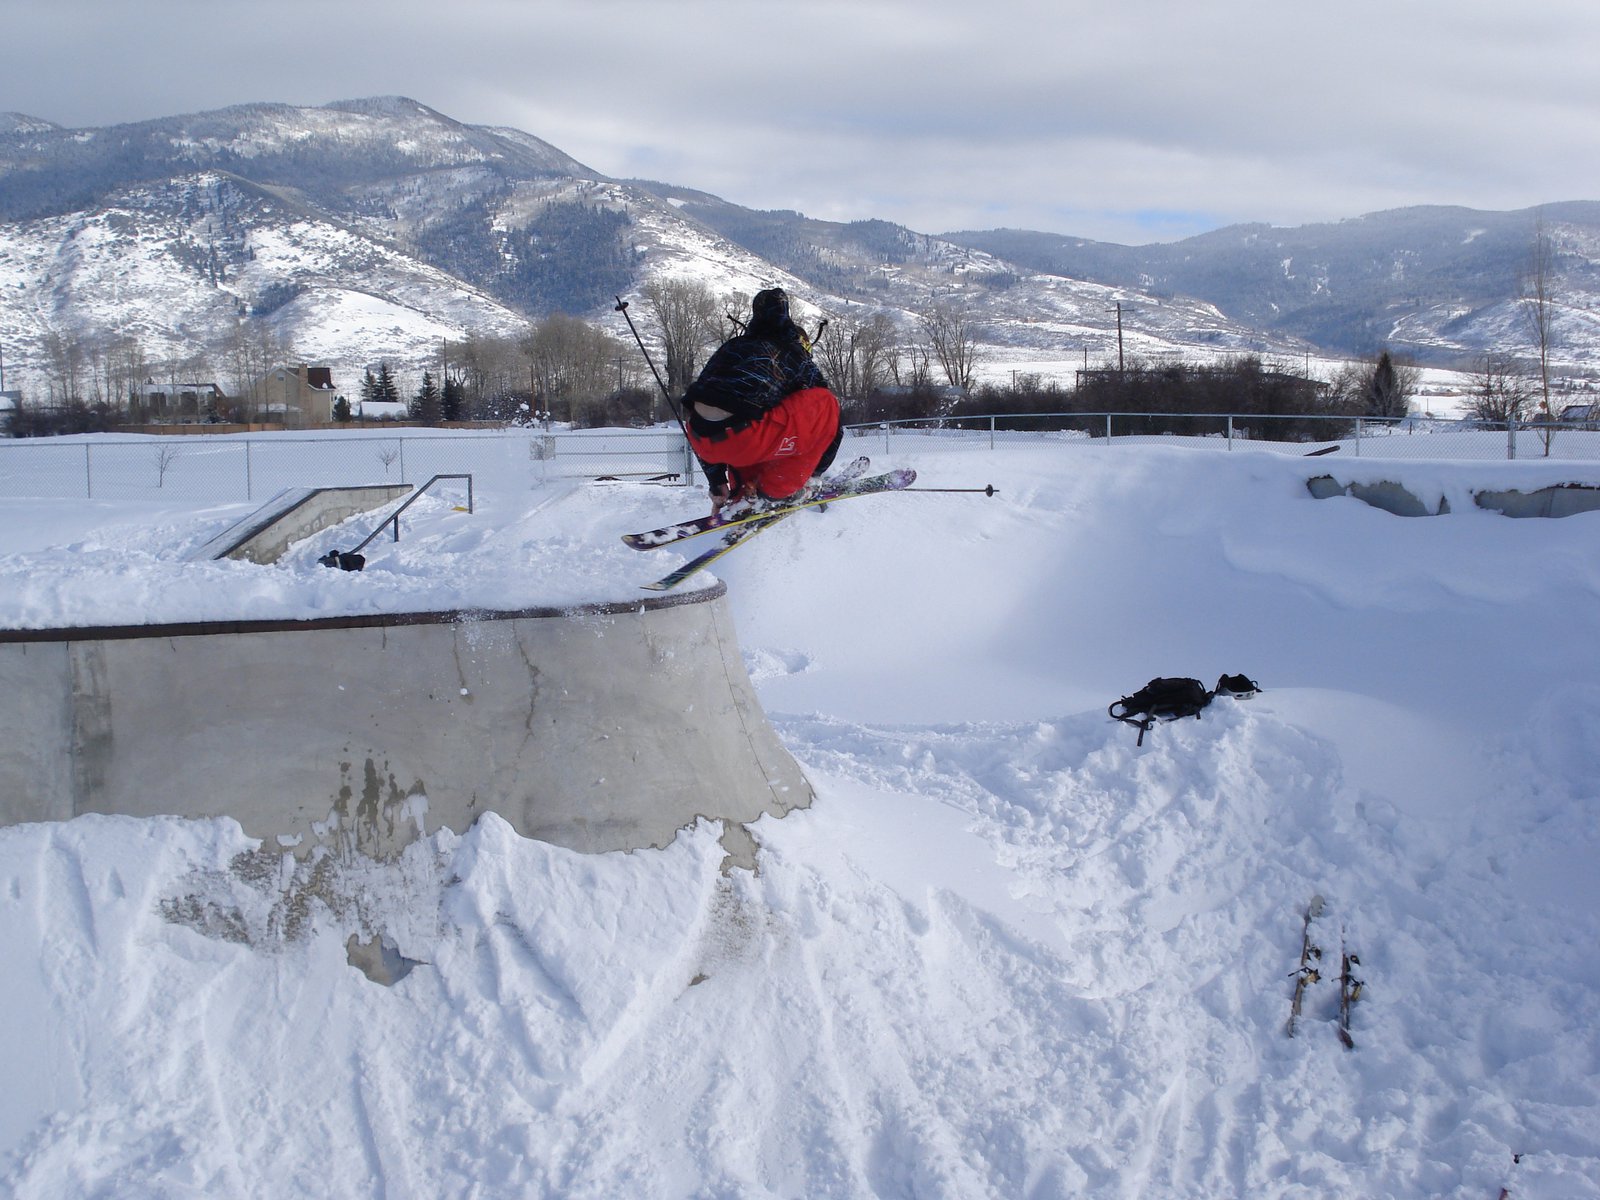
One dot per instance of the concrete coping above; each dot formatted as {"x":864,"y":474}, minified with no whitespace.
{"x":178,"y":629}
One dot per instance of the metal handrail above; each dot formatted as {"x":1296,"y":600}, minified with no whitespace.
{"x":393,"y":519}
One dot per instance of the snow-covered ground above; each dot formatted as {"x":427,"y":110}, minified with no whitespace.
{"x":1006,"y":953}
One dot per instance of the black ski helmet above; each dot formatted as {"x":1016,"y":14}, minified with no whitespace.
{"x":770,"y":308}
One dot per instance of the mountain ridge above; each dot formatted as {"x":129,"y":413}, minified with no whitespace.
{"x":181,"y":230}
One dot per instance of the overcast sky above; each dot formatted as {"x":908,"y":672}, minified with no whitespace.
{"x":1131,"y":121}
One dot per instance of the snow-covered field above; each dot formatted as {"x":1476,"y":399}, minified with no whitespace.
{"x":1007,"y":953}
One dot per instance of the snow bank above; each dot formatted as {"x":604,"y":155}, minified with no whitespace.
{"x":1006,"y":953}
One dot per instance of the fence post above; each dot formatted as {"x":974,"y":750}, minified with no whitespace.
{"x":1511,"y":437}
{"x":991,"y":431}
{"x":1108,"y":429}
{"x":688,"y":462}
{"x":1230,"y":431}
{"x":88,"y":474}
{"x":1358,"y":437}
{"x":886,"y":437}
{"x":402,"y":443}
{"x":249,"y":484}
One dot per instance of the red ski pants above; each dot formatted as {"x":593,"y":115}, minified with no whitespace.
{"x":778,"y":453}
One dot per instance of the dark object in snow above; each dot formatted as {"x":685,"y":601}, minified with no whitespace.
{"x":1238,"y":686}
{"x":1160,"y":700}
{"x":343,"y":559}
{"x":1170,"y":699}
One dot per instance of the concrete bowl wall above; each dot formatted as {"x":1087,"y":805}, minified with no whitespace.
{"x":598,"y":728}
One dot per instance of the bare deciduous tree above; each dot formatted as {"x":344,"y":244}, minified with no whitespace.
{"x":1501,"y":391}
{"x":570,"y":363}
{"x":1538,"y":307}
{"x":854,"y":354}
{"x":166,"y":455}
{"x":251,"y":350}
{"x":949,"y":332}
{"x":493,"y":374}
{"x":688,"y":317}
{"x":65,"y":357}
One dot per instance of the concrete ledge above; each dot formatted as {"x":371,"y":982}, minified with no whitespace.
{"x":1562,"y":500}
{"x":1390,"y":496}
{"x":606,"y":727}
{"x":291,"y":515}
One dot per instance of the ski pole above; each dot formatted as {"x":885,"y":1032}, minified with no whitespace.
{"x":622,"y":307}
{"x":987,"y":490}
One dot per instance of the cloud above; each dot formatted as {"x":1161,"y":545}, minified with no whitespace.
{"x":937,"y":114}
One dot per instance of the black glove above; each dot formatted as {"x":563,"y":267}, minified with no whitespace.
{"x":717,"y":477}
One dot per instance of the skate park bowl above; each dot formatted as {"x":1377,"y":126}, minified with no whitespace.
{"x":596,"y":728}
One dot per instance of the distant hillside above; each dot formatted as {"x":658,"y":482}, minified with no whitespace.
{"x":1437,"y":281}
{"x":380,"y":229}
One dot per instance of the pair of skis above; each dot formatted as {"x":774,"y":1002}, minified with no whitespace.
{"x":1310,"y":972}
{"x":740,"y":525}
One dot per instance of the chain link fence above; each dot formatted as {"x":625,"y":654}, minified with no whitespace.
{"x":238,"y":468}
{"x":1362,"y":437}
{"x":228,"y":468}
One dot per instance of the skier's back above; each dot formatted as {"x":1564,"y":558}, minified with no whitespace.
{"x":761,"y":416}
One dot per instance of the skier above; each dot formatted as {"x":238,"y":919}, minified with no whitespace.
{"x":761,"y":416}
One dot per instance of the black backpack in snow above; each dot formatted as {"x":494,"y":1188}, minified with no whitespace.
{"x":1170,"y":699}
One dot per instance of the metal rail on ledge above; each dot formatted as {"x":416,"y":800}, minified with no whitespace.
{"x":393,"y":519}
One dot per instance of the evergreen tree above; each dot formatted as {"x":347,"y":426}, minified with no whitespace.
{"x":1389,"y":393}
{"x":387,"y":392}
{"x":341,"y":409}
{"x":425,"y":405}
{"x":369,"y":387}
{"x":453,"y":399}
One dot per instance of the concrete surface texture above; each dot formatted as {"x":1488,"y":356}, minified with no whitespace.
{"x":598,"y":729}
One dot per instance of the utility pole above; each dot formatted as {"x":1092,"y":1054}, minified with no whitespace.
{"x":1118,"y":311}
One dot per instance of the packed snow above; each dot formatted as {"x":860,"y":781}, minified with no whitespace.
{"x":1007,"y":952}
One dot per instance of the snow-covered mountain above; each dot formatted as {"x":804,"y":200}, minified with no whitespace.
{"x":1444,"y":283}
{"x":377,"y":229}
